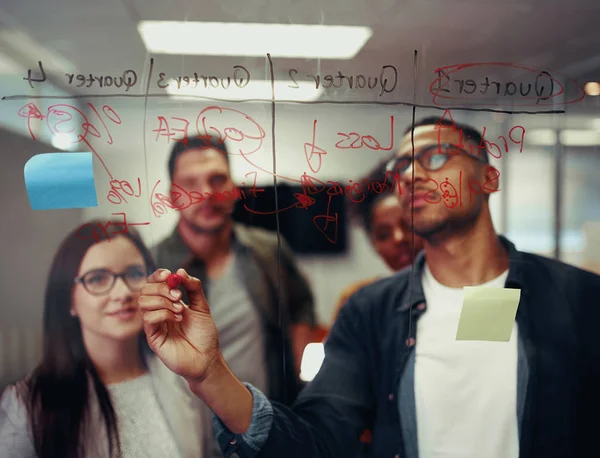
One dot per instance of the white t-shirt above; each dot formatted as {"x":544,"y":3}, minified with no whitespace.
{"x":465,"y":391}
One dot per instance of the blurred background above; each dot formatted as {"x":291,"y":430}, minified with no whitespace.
{"x":119,"y":74}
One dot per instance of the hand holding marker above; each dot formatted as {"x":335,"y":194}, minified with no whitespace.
{"x":174,"y":281}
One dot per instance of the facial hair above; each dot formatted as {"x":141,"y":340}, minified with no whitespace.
{"x":448,"y":226}
{"x":204,"y":231}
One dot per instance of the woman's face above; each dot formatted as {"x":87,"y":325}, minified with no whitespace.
{"x":107,"y":308}
{"x":390,"y":236}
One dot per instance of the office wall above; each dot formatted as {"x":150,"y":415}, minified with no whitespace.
{"x":28,"y":240}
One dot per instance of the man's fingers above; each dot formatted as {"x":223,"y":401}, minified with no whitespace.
{"x":159,"y":275}
{"x":160,"y":290}
{"x":149,"y":303}
{"x":157,"y":287}
{"x":195,"y":292}
{"x":156,"y":317}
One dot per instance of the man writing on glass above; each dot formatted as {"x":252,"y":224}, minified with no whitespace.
{"x":392,"y":361}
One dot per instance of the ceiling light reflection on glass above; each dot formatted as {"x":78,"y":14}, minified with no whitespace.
{"x":252,"y":40}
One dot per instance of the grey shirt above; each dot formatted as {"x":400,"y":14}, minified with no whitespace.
{"x":276,"y":288}
{"x":240,"y":329}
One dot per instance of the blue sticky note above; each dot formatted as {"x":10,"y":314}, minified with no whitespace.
{"x":60,"y":180}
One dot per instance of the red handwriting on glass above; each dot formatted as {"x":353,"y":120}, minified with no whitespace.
{"x":354,"y":140}
{"x":110,"y":114}
{"x":313,"y":153}
{"x":71,"y":124}
{"x":179,"y":199}
{"x":517,"y":139}
{"x":302,"y":201}
{"x":328,"y":224}
{"x":30,"y":111}
{"x":355,"y":190}
{"x":165,"y":129}
{"x":66,"y":119}
{"x":120,"y":190}
{"x":451,"y":195}
{"x":254,"y":189}
{"x":105,"y":231}
{"x":243,"y":131}
{"x":516,"y":136}
{"x":453,"y":83}
{"x":215,"y":123}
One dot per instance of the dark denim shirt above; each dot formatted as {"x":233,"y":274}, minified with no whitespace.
{"x":368,"y":361}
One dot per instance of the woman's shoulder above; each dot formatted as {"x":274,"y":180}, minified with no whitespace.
{"x":13,"y":397}
{"x":14,"y":420}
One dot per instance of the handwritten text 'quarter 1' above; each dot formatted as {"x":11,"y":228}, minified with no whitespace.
{"x":60,"y":180}
{"x":488,"y":313}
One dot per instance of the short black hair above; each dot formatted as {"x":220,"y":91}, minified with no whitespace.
{"x":184,"y":144}
{"x":363,"y":211}
{"x":469,"y":132}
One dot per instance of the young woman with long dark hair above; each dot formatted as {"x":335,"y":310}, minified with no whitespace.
{"x":99,"y":391}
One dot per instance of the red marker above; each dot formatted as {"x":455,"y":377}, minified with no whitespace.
{"x":174,"y":281}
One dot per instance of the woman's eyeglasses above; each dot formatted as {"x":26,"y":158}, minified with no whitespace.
{"x":431,"y":158}
{"x":101,"y":281}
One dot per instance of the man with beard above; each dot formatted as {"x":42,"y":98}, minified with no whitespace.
{"x":262,"y":305}
{"x":392,"y":360}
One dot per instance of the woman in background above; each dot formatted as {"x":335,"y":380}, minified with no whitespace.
{"x":99,"y":391}
{"x":381,"y":216}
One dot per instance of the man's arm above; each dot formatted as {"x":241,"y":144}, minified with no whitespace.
{"x":326,"y":420}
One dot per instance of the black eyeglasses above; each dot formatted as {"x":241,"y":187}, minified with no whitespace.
{"x":431,"y":158}
{"x":101,"y":281}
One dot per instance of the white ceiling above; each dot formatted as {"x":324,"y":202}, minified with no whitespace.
{"x":101,"y":36}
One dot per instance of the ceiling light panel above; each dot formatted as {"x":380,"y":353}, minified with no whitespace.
{"x":253,"y":40}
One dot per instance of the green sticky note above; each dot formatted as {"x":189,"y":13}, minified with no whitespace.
{"x":488,"y":313}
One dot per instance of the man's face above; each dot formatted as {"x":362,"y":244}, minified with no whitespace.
{"x":205,"y":171}
{"x":447,"y":200}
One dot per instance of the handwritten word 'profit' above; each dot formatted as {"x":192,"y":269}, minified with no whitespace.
{"x":516,"y":135}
